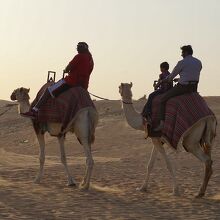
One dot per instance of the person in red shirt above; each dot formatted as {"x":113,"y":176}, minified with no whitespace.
{"x":78,"y":69}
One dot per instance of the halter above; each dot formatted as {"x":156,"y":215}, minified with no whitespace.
{"x":106,"y":99}
{"x":127,"y":103}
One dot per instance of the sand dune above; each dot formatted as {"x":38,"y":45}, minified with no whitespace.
{"x":120,"y":155}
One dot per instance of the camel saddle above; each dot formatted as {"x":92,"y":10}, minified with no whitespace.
{"x":182,"y":112}
{"x":64,"y":108}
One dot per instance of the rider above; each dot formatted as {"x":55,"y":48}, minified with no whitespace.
{"x":188,"y":69}
{"x":79,"y":70}
{"x":162,"y":88}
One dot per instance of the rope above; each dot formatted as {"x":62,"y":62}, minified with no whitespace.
{"x":2,"y":113}
{"x":9,"y":108}
{"x":102,"y":97}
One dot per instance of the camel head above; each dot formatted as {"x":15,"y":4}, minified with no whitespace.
{"x":20,"y":94}
{"x":125,"y":91}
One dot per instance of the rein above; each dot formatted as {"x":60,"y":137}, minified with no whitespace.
{"x":99,"y":97}
{"x":9,"y":108}
{"x":128,"y":103}
{"x":102,"y":97}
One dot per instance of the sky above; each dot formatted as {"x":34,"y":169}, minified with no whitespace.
{"x":127,"y":38}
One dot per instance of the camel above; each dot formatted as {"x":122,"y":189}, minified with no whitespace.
{"x":203,"y":130}
{"x":83,"y":125}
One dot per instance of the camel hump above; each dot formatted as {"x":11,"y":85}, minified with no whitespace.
{"x":181,"y":113}
{"x":63,"y":109}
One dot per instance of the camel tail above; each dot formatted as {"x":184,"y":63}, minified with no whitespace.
{"x":209,"y":133}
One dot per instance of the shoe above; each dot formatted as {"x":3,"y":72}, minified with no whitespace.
{"x":31,"y":114}
{"x":146,"y":117}
{"x":149,"y":119}
{"x":160,"y":126}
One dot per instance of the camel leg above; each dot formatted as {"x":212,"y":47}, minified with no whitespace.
{"x":149,"y":169}
{"x":89,"y":164}
{"x":157,"y":143}
{"x":83,"y":131}
{"x":40,"y":138}
{"x":71,"y":181}
{"x":206,"y":159}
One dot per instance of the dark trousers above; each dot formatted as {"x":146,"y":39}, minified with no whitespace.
{"x":61,"y":89}
{"x":175,"y":91}
{"x":147,"y":110}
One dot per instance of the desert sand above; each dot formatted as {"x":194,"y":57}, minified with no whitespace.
{"x":120,"y":154}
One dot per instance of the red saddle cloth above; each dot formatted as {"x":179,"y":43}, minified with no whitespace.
{"x":181,"y":113}
{"x":63,"y":108}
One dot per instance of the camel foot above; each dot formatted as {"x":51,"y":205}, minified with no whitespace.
{"x":142,"y":189}
{"x":71,"y":182}
{"x":176,"y":191}
{"x":37,"y":180}
{"x":84,"y":187}
{"x":199,"y":195}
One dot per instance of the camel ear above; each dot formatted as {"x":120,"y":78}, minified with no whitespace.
{"x":131,"y":84}
{"x":28,"y":90}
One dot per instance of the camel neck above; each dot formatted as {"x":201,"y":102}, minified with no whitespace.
{"x":133,"y":117}
{"x":24,"y":106}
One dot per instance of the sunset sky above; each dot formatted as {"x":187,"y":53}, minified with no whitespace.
{"x":128,"y":39}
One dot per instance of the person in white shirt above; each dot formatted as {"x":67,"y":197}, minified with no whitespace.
{"x":189,"y":71}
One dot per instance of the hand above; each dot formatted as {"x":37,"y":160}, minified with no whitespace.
{"x":157,"y":84}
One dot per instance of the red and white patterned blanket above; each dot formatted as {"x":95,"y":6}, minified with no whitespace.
{"x":63,"y":108}
{"x":181,"y":113}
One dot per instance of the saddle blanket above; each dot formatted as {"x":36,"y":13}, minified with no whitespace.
{"x":63,"y":108}
{"x":181,"y":113}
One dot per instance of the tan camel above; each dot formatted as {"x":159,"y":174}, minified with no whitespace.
{"x":83,"y":125}
{"x":203,"y":130}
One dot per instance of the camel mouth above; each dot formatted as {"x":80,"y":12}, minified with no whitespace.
{"x":120,"y":90}
{"x":13,"y":97}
